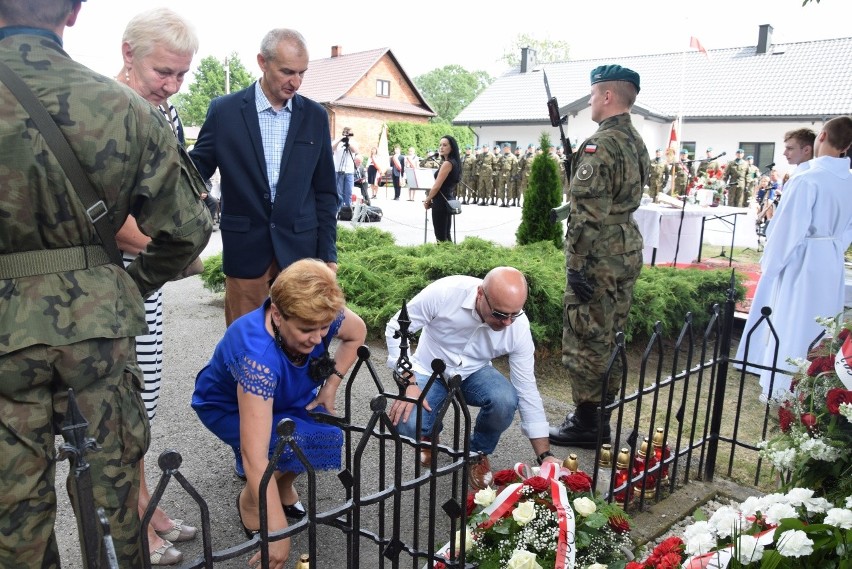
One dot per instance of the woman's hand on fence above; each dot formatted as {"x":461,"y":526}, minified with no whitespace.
{"x":325,"y":397}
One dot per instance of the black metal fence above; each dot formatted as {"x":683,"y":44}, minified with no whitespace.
{"x":670,"y":429}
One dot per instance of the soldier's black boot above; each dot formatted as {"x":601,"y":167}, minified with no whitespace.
{"x":580,"y":428}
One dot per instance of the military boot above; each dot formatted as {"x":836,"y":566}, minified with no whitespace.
{"x":580,"y":428}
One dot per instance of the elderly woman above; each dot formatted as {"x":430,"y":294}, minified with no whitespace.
{"x":157,"y":48}
{"x":271,"y":364}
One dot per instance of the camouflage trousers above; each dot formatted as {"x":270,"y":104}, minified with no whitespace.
{"x":589,"y":329}
{"x":655,"y":186}
{"x":468,"y":187}
{"x":736,"y":195}
{"x":501,"y":186}
{"x":34,"y":385}
{"x":514,"y":188}
{"x":484,"y":185}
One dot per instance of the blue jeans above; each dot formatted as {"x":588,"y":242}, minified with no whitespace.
{"x":345,"y":185}
{"x":487,"y":389}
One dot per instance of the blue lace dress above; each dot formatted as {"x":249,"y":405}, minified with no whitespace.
{"x":248,"y":358}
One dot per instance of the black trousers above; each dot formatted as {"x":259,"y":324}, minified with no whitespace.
{"x":442,"y":220}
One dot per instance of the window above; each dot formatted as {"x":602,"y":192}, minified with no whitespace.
{"x":382,"y":88}
{"x":763,"y":152}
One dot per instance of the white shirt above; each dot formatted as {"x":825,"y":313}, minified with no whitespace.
{"x":453,"y":332}
{"x":343,"y":159}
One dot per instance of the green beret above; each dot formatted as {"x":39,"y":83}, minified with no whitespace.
{"x":615,"y":73}
{"x":749,"y":157}
{"x":507,"y":145}
{"x":467,"y":147}
{"x":684,"y":151}
{"x":659,"y":150}
{"x":740,"y":150}
{"x":709,"y":149}
{"x":530,"y":145}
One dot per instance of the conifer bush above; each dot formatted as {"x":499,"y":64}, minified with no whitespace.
{"x":543,"y":193}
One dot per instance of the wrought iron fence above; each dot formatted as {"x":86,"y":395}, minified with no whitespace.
{"x":671,"y":427}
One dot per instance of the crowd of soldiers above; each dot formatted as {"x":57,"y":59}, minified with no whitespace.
{"x":739,"y":175}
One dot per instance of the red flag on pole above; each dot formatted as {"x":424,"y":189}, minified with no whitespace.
{"x":693,"y":42}
{"x":673,"y":135}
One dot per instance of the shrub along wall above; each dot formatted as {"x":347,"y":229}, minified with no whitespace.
{"x":376,"y":275}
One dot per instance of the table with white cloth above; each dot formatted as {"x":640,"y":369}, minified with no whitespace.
{"x":669,"y":231}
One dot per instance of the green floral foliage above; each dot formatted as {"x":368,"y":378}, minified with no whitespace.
{"x":377,"y":275}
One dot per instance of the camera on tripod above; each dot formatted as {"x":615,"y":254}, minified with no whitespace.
{"x":346,"y":134}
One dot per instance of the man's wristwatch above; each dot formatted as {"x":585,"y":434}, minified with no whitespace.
{"x":544,"y":455}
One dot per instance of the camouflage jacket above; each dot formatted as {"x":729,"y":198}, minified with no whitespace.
{"x":610,"y":170}
{"x":659,"y":170}
{"x":507,"y":163}
{"x":484,"y":163}
{"x":736,"y":171}
{"x":133,"y":161}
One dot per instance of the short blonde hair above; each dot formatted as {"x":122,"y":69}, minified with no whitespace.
{"x":163,"y":27}
{"x":308,"y":290}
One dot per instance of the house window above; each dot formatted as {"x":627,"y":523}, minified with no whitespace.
{"x":382,"y":88}
{"x":763,"y":152}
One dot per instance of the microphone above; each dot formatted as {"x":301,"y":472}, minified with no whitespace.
{"x":434,"y":155}
{"x":769,"y":166}
{"x":719,"y":156}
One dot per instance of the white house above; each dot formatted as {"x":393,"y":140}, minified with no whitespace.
{"x":731,"y":98}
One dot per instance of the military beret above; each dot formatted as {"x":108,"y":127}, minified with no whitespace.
{"x":467,"y":147}
{"x":684,"y":151}
{"x":659,"y":150}
{"x":740,"y":150}
{"x":709,"y":149}
{"x":530,"y":145}
{"x":615,"y":73}
{"x":749,"y":157}
{"x":507,"y":145}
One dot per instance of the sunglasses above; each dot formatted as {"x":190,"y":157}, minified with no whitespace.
{"x":501,"y":315}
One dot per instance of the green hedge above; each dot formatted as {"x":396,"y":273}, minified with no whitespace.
{"x":376,"y":275}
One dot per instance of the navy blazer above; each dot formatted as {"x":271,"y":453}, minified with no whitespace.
{"x":302,"y":223}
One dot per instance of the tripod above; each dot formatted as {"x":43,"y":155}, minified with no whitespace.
{"x":345,"y":194}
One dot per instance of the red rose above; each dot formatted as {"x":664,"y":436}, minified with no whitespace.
{"x":672,"y":544}
{"x":835,"y":397}
{"x":785,"y":417}
{"x":440,"y":565}
{"x":619,"y":524}
{"x":843,"y":335}
{"x":809,"y":421}
{"x":506,"y":477}
{"x":470,"y":503}
{"x":820,"y":365}
{"x":578,"y":482}
{"x":634,"y":565}
{"x":537,"y":483}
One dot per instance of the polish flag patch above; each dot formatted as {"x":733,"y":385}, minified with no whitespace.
{"x":590,"y":148}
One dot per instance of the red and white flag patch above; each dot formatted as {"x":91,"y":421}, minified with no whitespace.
{"x":590,"y":148}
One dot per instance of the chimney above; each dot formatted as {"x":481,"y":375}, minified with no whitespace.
{"x":336,"y":50}
{"x":527,"y":59}
{"x":764,"y":39}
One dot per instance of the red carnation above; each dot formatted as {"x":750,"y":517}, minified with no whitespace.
{"x":619,"y":524}
{"x":578,"y":482}
{"x":785,"y":417}
{"x":505,"y":477}
{"x":670,"y":560}
{"x":835,"y":397}
{"x":820,"y":365}
{"x":634,"y":565}
{"x":537,"y":483}
{"x":470,"y":503}
{"x":672,"y":544}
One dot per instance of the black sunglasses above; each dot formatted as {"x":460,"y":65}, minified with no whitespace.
{"x":501,"y":315}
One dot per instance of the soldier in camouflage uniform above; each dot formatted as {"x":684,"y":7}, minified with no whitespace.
{"x":69,"y":315}
{"x":659,"y":174}
{"x":515,"y":178}
{"x":752,"y":176}
{"x":707,"y":164}
{"x":682,"y":174}
{"x":484,"y":178}
{"x":526,"y":170}
{"x":603,"y":249}
{"x":735,"y":178}
{"x":468,"y":176}
{"x":505,"y":166}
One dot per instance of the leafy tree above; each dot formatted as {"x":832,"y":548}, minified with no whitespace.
{"x":546,"y":50}
{"x":425,"y":136}
{"x":543,"y":193}
{"x":210,"y":83}
{"x":451,"y":88}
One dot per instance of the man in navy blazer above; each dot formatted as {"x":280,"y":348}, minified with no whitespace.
{"x":279,"y":196}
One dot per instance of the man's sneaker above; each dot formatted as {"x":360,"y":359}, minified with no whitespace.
{"x":479,"y":475}
{"x":239,"y":471}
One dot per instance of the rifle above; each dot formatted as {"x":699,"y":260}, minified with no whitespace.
{"x":562,"y":212}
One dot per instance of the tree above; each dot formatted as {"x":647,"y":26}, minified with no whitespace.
{"x":546,"y":50}
{"x":543,"y":193}
{"x":209,"y":83}
{"x":451,"y":88}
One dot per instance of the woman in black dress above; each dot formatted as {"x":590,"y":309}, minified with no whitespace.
{"x":444,"y":188}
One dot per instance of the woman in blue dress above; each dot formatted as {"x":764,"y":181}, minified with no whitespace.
{"x":273,"y":363}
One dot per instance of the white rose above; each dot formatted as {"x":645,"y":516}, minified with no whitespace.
{"x":468,"y":540}
{"x":597,"y":566}
{"x":524,"y":513}
{"x":523,"y":559}
{"x":839,"y":517}
{"x":748,"y":549}
{"x":794,"y":543}
{"x":485,"y":496}
{"x":585,"y":506}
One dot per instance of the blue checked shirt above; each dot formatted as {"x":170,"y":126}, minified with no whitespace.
{"x":273,"y":132}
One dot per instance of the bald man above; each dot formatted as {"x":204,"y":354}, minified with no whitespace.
{"x":467,"y":322}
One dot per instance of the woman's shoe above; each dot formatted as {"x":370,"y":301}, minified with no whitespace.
{"x":178,"y":532}
{"x":249,"y":533}
{"x":295,"y":511}
{"x":166,"y":554}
